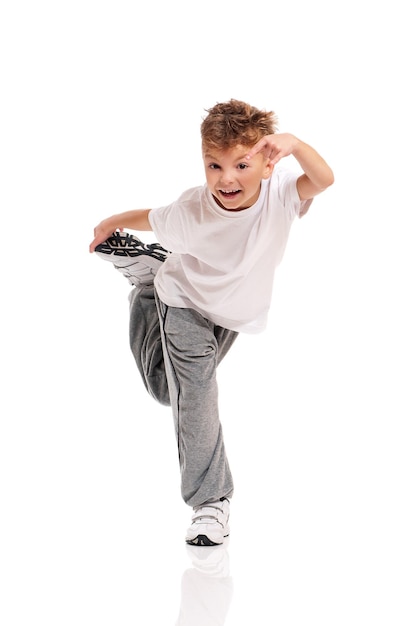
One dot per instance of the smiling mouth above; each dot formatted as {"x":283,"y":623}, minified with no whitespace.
{"x":228,"y":194}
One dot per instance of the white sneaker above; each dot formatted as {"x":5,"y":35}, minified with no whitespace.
{"x":138,"y":261}
{"x":209,"y":524}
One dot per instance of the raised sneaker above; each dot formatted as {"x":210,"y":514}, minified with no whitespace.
{"x":136,"y":260}
{"x":209,"y":524}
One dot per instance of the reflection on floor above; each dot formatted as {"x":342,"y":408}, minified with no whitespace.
{"x":206,"y":587}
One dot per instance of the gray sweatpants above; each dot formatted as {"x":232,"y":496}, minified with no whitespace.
{"x":177,"y":352}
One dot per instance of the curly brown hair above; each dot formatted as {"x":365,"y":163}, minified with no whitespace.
{"x":234,"y":122}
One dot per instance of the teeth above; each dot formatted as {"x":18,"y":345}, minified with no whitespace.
{"x":229,"y":190}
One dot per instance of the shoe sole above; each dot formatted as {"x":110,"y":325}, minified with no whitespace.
{"x":126,"y":245}
{"x":201,"y":540}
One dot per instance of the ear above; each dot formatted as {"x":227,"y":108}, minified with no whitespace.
{"x":268,"y":169}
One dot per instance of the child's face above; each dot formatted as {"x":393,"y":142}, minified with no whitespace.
{"x":234,"y":180}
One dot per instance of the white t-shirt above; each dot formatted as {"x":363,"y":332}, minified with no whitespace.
{"x":223,"y":262}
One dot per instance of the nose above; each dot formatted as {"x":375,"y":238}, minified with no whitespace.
{"x":226,"y":177}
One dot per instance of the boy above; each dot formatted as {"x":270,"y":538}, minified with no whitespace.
{"x":210,"y":279}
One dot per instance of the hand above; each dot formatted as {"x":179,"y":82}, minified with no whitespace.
{"x":102,"y":232}
{"x":274,"y":147}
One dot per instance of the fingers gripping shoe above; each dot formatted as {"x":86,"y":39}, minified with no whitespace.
{"x":209,"y":524}
{"x":138,"y":261}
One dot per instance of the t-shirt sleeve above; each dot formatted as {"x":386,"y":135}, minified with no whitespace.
{"x":305,"y":205}
{"x":172,"y":224}
{"x":289,"y":195}
{"x":168,"y":227}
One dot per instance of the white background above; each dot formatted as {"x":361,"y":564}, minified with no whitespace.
{"x":101,"y":104}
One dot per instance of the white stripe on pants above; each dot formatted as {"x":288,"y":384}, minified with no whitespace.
{"x":177,"y":352}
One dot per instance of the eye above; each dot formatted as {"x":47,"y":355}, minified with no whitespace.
{"x":242,"y":166}
{"x":214,"y":166}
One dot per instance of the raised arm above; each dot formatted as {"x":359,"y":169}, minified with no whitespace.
{"x":135,"y":220}
{"x":317,"y":174}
